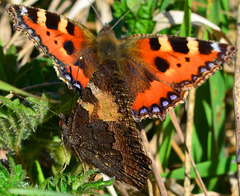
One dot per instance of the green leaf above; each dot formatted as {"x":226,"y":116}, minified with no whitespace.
{"x":97,"y":184}
{"x":75,"y":184}
{"x":16,"y":177}
{"x":40,"y":172}
{"x":139,"y":20}
{"x":11,"y":64}
{"x":134,"y":6}
{"x":3,"y":75}
{"x":79,"y":182}
{"x":17,"y":121}
{"x":164,"y":4}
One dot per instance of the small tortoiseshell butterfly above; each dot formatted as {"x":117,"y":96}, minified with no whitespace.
{"x":120,"y":81}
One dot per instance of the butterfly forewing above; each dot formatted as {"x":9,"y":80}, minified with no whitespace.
{"x":65,"y":41}
{"x":161,"y":68}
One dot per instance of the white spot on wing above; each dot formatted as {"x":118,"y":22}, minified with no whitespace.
{"x":194,"y":77}
{"x":30,"y":31}
{"x":36,"y":38}
{"x":77,"y":85}
{"x":202,"y":70}
{"x":215,"y":46}
{"x":23,"y":26}
{"x":67,"y":77}
{"x":23,"y":10}
{"x":173,"y":97}
{"x":45,"y":48}
{"x":165,"y":103}
{"x":143,"y":111}
{"x":155,"y":109}
{"x":210,"y":64}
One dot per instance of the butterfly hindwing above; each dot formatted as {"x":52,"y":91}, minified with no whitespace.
{"x":159,"y":69}
{"x":102,"y":132}
{"x":65,"y":41}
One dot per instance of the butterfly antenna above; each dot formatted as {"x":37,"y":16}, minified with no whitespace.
{"x":80,"y":65}
{"x":72,"y":92}
{"x":97,"y":14}
{"x":120,"y":19}
{"x":125,"y":15}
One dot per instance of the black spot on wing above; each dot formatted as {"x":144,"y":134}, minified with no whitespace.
{"x":161,"y":64}
{"x":179,"y":64}
{"x":68,"y":46}
{"x":187,"y":59}
{"x":32,"y":14}
{"x":204,"y":47}
{"x":70,"y":28}
{"x":179,"y":44}
{"x":154,"y":43}
{"x":48,"y":33}
{"x":52,"y":20}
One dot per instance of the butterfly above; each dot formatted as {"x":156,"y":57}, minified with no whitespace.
{"x":119,"y":82}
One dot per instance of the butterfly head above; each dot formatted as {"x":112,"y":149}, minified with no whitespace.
{"x":108,"y":44}
{"x":106,"y":28}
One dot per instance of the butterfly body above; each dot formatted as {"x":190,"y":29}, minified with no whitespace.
{"x":120,"y":81}
{"x":108,"y":45}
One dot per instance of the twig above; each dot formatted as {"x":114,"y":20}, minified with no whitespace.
{"x":156,"y":171}
{"x":110,"y":189}
{"x":236,"y":99}
{"x":46,"y":84}
{"x":178,"y":151}
{"x":179,"y":131}
{"x":190,"y":115}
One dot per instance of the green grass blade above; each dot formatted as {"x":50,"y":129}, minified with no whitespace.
{"x":185,"y":29}
{"x":207,"y":169}
{"x":217,"y":96}
{"x":37,"y":192}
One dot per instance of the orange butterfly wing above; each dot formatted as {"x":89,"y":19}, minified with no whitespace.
{"x":160,"y":69}
{"x":60,"y":38}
